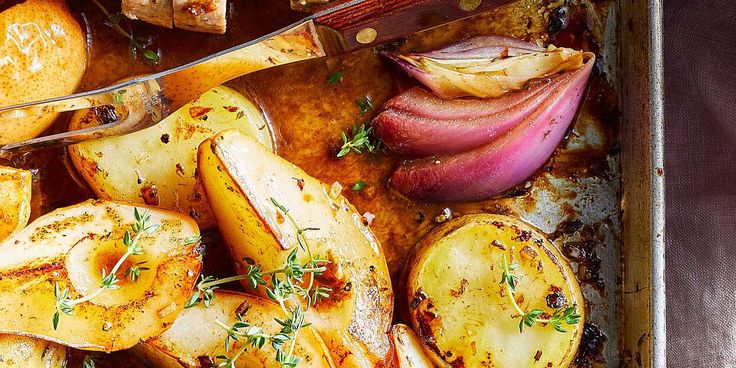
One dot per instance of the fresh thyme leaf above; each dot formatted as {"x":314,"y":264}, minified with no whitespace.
{"x":117,"y":96}
{"x":150,"y":55}
{"x":192,"y":239}
{"x":88,"y":362}
{"x":358,"y":186}
{"x":335,"y":77}
{"x":361,"y":140}
{"x":365,"y":104}
{"x":194,"y":300}
{"x":133,"y":272}
{"x":55,"y":320}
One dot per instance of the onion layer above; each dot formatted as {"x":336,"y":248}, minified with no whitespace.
{"x":508,"y":160}
{"x":418,"y":123}
{"x":486,"y":66}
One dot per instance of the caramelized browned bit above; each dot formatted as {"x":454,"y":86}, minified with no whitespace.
{"x":150,"y":195}
{"x":498,"y":245}
{"x":201,"y":15}
{"x":206,"y":361}
{"x":556,"y":298}
{"x":457,"y":293}
{"x":528,"y":253}
{"x":198,"y":112}
{"x":243,"y":308}
{"x":590,"y":352}
{"x":197,"y":8}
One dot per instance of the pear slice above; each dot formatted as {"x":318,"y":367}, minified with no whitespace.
{"x":194,"y":340}
{"x":69,"y":247}
{"x":23,"y":352}
{"x":157,"y":166}
{"x":15,"y":209}
{"x":241,"y":179}
{"x":409,"y":351}
{"x":15,"y":200}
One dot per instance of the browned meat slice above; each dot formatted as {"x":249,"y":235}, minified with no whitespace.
{"x":158,"y":12}
{"x":201,"y":15}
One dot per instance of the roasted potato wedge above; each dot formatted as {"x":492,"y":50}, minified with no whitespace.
{"x":409,"y":350}
{"x":44,"y":55}
{"x":463,"y":315}
{"x":156,"y":166}
{"x":194,"y":340}
{"x":15,"y":200}
{"x":24,"y":352}
{"x":71,"y":246}
{"x":241,"y":177}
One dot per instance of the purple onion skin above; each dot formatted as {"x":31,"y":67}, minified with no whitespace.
{"x":492,"y":169}
{"x":485,"y":47}
{"x":418,"y":123}
{"x":481,"y":47}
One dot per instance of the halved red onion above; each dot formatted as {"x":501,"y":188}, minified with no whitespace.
{"x":486,"y":66}
{"x":507,"y":161}
{"x":418,"y":123}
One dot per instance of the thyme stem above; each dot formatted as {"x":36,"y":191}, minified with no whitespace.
{"x":66,"y":305}
{"x":566,"y":314}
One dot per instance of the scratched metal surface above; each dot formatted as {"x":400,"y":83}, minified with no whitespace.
{"x":575,"y":198}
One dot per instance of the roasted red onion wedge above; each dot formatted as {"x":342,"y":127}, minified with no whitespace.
{"x":486,"y":66}
{"x":418,"y":123}
{"x":503,"y":163}
{"x":488,"y":47}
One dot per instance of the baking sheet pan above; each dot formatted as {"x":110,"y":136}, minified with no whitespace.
{"x":609,"y":220}
{"x":641,"y":97}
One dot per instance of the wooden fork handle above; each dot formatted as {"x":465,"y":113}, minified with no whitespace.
{"x":363,"y":23}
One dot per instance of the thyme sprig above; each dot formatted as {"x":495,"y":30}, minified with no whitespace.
{"x":566,"y":314}
{"x":253,"y":336}
{"x":361,"y":139}
{"x":137,"y":43}
{"x":131,"y":239}
{"x":281,"y":285}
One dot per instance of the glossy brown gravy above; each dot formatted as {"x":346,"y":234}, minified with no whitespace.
{"x":308,"y":115}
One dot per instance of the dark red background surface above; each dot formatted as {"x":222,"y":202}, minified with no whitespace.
{"x":700,"y":128}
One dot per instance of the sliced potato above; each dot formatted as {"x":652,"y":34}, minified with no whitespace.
{"x":194,"y":341}
{"x":240,"y":178}
{"x":44,"y":55}
{"x":156,"y":166}
{"x":464,"y":315}
{"x":70,"y":246}
{"x":15,"y":200}
{"x":21,"y":351}
{"x":409,"y":351}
